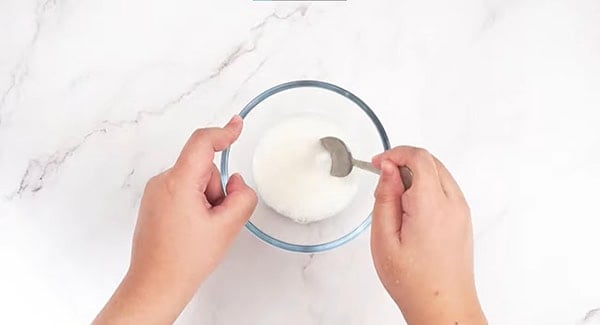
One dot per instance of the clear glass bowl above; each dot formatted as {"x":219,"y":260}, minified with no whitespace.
{"x":365,"y":136}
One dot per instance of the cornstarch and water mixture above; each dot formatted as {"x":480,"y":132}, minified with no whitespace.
{"x":291,"y":171}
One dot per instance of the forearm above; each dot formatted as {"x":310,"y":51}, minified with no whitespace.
{"x":139,"y":301}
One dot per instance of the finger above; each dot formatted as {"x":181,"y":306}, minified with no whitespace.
{"x":239,"y":203}
{"x":387,"y":212}
{"x":214,"y":189}
{"x":448,"y":182}
{"x":198,"y":153}
{"x":424,"y":172}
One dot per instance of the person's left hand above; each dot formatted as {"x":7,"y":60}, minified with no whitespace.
{"x":184,"y":228}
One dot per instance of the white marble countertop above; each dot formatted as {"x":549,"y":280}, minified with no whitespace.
{"x":97,"y":96}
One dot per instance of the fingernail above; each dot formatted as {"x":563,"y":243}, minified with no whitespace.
{"x":236,"y":118}
{"x":239,"y":177}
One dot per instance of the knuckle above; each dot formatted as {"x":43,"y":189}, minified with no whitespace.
{"x":198,"y":134}
{"x":396,"y":150}
{"x":153,"y":181}
{"x":152,"y":184}
{"x":163,"y":181}
{"x":377,"y":194}
{"x":170,"y":184}
{"x":414,"y":154}
{"x":420,"y":154}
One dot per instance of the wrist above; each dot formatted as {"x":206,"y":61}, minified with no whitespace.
{"x":446,"y":316}
{"x":460,"y":309}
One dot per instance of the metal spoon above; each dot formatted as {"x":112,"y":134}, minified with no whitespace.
{"x":342,"y":161}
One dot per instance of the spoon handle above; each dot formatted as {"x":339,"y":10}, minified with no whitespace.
{"x":405,"y":172}
{"x":365,"y":165}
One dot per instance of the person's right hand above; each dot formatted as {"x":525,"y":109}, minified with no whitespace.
{"x":422,"y":241}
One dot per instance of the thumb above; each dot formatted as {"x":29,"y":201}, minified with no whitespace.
{"x":238,"y":205}
{"x":387,"y":213}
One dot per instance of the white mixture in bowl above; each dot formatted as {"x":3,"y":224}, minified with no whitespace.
{"x":291,"y":171}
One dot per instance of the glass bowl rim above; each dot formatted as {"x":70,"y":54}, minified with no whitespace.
{"x":315,"y":248}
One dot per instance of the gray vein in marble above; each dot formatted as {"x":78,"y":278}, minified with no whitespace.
{"x":127,"y":181}
{"x":238,"y":52}
{"x":493,"y":15}
{"x":237,"y":92}
{"x":495,"y":12}
{"x":307,"y":265}
{"x":490,"y":20}
{"x":38,"y":169}
{"x":251,"y":75}
{"x":21,"y":69}
{"x":592,"y":315}
{"x":301,"y":10}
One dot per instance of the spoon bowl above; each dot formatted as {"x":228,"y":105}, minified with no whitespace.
{"x":342,"y":161}
{"x":341,"y":158}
